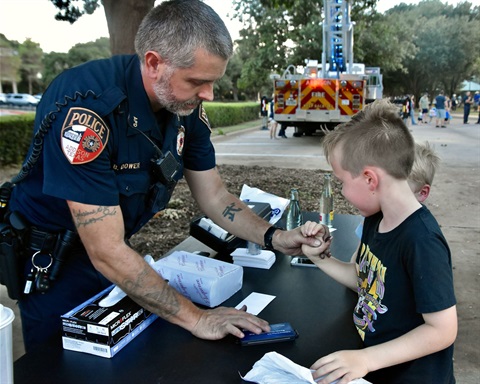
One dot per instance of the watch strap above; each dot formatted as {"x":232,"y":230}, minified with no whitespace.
{"x":268,"y":236}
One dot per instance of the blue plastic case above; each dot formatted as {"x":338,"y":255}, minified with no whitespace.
{"x":279,"y":332}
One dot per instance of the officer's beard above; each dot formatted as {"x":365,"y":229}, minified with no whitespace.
{"x":164,"y":93}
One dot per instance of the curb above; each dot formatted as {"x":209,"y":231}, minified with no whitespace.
{"x":233,"y":134}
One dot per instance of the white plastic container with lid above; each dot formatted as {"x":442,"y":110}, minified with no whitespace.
{"x":6,"y":351}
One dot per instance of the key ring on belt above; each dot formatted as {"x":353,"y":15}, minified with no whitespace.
{"x":38,"y":267}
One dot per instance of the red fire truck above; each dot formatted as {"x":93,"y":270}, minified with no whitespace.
{"x":322,"y":96}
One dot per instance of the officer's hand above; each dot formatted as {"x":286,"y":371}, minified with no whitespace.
{"x":312,"y":234}
{"x":217,"y":323}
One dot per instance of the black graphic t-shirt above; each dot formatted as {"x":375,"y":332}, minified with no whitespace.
{"x":402,"y":274}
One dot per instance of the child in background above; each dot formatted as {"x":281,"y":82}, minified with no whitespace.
{"x":448,"y":108}
{"x":406,"y":313}
{"x":432,"y":114}
{"x":423,"y":171}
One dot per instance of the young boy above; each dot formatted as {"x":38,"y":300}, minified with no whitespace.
{"x":420,"y":179}
{"x":406,"y":313}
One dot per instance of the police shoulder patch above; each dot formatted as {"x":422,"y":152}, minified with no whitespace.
{"x":180,"y":140}
{"x":203,"y":116}
{"x":84,"y":135}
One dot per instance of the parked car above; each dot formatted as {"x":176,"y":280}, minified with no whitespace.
{"x":3,"y":98}
{"x":21,"y":99}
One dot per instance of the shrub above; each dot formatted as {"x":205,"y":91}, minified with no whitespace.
{"x":226,"y":114}
{"x":15,"y":136}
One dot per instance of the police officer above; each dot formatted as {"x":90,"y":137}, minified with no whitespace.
{"x":112,"y":138}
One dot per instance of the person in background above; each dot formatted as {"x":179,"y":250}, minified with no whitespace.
{"x":423,"y":171}
{"x":264,"y":112}
{"x":271,"y":120}
{"x":406,"y":308}
{"x":423,"y":104}
{"x":454,"y":102}
{"x":406,"y":108}
{"x":467,"y":103}
{"x":412,"y":109}
{"x":448,"y":108}
{"x":440,"y":110}
{"x":115,"y":137}
{"x":476,"y":103}
{"x":432,"y":113}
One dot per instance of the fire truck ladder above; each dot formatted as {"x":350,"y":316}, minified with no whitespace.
{"x":337,"y":38}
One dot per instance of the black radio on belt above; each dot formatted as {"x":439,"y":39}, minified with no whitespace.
{"x":165,"y":167}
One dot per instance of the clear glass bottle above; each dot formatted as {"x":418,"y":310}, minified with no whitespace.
{"x":294,"y":213}
{"x":326,"y":201}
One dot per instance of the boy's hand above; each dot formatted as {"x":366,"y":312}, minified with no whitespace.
{"x":321,"y":233}
{"x":309,"y":234}
{"x":344,"y":366}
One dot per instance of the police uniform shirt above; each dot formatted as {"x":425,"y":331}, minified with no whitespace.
{"x":94,"y":152}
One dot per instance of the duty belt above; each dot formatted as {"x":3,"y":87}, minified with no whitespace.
{"x":38,"y":240}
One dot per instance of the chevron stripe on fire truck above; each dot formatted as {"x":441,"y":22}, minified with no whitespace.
{"x":354,"y":94}
{"x":318,"y":94}
{"x":286,"y":94}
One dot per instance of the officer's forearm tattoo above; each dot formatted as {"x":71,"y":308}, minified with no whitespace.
{"x":84,"y":218}
{"x":163,"y":301}
{"x":230,"y":210}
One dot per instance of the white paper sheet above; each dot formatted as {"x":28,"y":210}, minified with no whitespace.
{"x":255,"y":302}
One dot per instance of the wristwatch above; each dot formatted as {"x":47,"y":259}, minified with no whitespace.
{"x":267,"y":238}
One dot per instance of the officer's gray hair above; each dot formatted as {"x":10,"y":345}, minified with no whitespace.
{"x":176,"y":29}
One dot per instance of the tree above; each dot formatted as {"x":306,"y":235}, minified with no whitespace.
{"x":227,"y":88}
{"x":31,"y":56}
{"x":441,"y":57}
{"x":55,"y":63}
{"x":123,"y":18}
{"x":81,"y":53}
{"x":9,"y":64}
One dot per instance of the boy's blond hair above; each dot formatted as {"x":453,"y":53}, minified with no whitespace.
{"x":424,"y":167}
{"x":375,"y":136}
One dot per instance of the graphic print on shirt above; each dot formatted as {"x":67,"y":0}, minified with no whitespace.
{"x":371,"y":290}
{"x":84,"y":135}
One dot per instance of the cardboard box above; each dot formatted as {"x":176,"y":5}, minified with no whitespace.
{"x":104,"y":331}
{"x":201,"y":279}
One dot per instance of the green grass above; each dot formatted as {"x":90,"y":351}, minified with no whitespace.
{"x":233,"y":128}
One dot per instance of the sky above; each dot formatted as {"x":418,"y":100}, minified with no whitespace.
{"x":36,"y":21}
